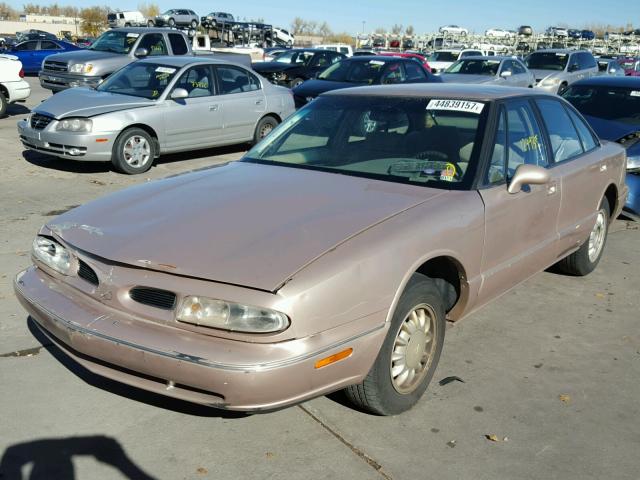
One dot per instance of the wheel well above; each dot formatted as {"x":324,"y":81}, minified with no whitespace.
{"x":611,"y":194}
{"x":447,"y":273}
{"x":274,"y":115}
{"x":4,"y":91}
{"x":150,"y":131}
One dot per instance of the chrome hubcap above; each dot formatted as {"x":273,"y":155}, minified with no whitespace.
{"x":596,"y":239}
{"x":413,"y":349}
{"x":266,"y":130}
{"x":137,"y":151}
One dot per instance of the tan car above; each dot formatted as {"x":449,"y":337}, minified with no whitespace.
{"x":332,"y":254}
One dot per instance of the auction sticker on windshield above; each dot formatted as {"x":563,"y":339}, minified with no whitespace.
{"x":635,"y":93}
{"x":456,"y":106}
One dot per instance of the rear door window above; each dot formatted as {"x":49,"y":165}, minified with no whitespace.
{"x":48,"y":45}
{"x":27,"y":46}
{"x":414,"y":71}
{"x":197,"y":81}
{"x":235,"y":80}
{"x":565,"y":142}
{"x":525,"y":143}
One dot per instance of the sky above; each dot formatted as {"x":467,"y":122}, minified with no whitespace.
{"x":426,"y":15}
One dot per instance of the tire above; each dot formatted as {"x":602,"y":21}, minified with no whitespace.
{"x":194,"y":24}
{"x":380,"y":393}
{"x":584,"y":260}
{"x":127,"y":25}
{"x":295,"y":82}
{"x":136,"y":161}
{"x":265,"y":127}
{"x":4,"y":103}
{"x":150,"y":23}
{"x":172,"y":22}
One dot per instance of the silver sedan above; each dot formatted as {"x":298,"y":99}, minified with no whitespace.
{"x":507,"y":71}
{"x":156,"y":106}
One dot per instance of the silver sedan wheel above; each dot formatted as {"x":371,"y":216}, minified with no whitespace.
{"x":598,"y":234}
{"x":413,"y":349}
{"x":266,"y":129}
{"x":136,"y":151}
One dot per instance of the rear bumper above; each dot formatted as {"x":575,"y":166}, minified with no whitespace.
{"x":18,"y":91}
{"x":196,"y":368}
{"x":71,"y":146}
{"x":57,"y":81}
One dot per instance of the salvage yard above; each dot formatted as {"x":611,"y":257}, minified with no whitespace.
{"x":540,"y":384}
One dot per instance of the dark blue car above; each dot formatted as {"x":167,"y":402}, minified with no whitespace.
{"x":611,"y":105}
{"x":359,"y":71}
{"x":32,"y":52}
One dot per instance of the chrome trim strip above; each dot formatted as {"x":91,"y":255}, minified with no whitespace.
{"x":183,"y":356}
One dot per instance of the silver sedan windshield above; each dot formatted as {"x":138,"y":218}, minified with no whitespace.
{"x":147,"y":80}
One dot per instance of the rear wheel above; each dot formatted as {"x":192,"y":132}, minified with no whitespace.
{"x":3,"y":105}
{"x":563,"y":88}
{"x":127,"y":25}
{"x":194,"y":24}
{"x":150,"y":23}
{"x":409,"y":355}
{"x":584,"y":260}
{"x":133,"y":151}
{"x":265,"y":127}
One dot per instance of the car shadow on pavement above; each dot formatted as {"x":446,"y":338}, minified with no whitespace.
{"x":78,"y":166}
{"x":52,"y":458}
{"x":14,"y":109}
{"x":123,"y":390}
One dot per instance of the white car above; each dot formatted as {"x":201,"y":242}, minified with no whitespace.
{"x":128,"y":18}
{"x":440,"y":60}
{"x":498,"y":33}
{"x":557,"y":32}
{"x":338,"y":47}
{"x":13,"y":88}
{"x":283,"y":37}
{"x":454,"y":30}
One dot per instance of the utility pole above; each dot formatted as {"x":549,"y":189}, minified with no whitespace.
{"x":363,"y":23}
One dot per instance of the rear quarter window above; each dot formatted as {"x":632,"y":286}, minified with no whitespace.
{"x":178,"y":44}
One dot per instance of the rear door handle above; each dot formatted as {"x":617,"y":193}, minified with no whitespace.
{"x":603,"y":168}
{"x":213,"y":108}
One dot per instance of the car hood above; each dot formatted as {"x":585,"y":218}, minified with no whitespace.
{"x":87,"y":102}
{"x":270,"y":67}
{"x":466,"y":78}
{"x":616,"y":131}
{"x":242,"y":223}
{"x":81,"y":55}
{"x":313,"y":88}
{"x":544,"y":74}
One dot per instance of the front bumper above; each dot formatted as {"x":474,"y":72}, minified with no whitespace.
{"x":547,"y":88}
{"x":74,"y":146}
{"x":57,"y":81}
{"x":197,"y":368}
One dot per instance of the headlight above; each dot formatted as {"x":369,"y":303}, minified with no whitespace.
{"x":209,"y":312}
{"x":74,"y":125}
{"x":550,"y":82}
{"x":52,"y":254}
{"x":281,"y":76}
{"x":81,"y":68}
{"x":633,"y":163}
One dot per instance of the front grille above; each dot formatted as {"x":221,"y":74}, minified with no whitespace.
{"x":55,"y":66}
{"x":87,"y":273}
{"x":153,"y":297}
{"x":39,"y":122}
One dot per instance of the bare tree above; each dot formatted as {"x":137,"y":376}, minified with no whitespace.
{"x":94,"y":20}
{"x":409,"y":31}
{"x":324,"y":30}
{"x":149,"y":10}
{"x":381,"y":30}
{"x":396,"y":29}
{"x":7,"y":12}
{"x":298,"y":26}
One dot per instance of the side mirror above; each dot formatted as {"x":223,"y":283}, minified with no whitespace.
{"x":141,"y":53}
{"x":179,"y":94}
{"x":506,"y":74}
{"x":528,"y":175}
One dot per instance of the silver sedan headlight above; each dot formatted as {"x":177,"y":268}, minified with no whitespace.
{"x":633,"y":163}
{"x":550,"y":82}
{"x":74,"y":125}
{"x":52,"y":254}
{"x":209,"y":312}
{"x":81,"y":68}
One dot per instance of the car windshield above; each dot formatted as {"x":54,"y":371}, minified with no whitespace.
{"x":364,"y":72}
{"x":140,"y":79}
{"x":115,"y":42}
{"x":398,"y":139}
{"x":294,"y":57}
{"x":547,"y":61}
{"x":618,"y":104}
{"x":444,"y":56}
{"x":168,"y":12}
{"x":475,"y":67}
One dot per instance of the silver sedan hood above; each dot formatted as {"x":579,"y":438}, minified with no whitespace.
{"x":466,"y":78}
{"x":86,"y":102}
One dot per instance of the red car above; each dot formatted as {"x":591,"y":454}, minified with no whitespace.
{"x":416,"y":56}
{"x":631,"y":66}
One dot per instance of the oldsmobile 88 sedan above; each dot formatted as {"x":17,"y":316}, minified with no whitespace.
{"x":332,"y":254}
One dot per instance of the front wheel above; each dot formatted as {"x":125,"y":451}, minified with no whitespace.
{"x":172,"y":22}
{"x":150,"y":23}
{"x":265,"y":127}
{"x":194,"y":24}
{"x":584,"y":260}
{"x":563,"y":88}
{"x":133,"y":151}
{"x":3,"y":105}
{"x":409,"y":355}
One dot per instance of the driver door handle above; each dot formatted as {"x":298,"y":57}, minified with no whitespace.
{"x":213,"y":108}
{"x":552,"y":188}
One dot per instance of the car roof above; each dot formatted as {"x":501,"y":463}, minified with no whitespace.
{"x":611,"y":81}
{"x":378,"y":58}
{"x":489,"y":57}
{"x":559,"y":50}
{"x":440,"y":90}
{"x":144,"y":30}
{"x":181,"y":61}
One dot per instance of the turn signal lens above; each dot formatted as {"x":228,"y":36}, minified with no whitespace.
{"x":336,"y":357}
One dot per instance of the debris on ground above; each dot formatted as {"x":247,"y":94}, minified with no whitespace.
{"x":565,"y":398}
{"x":447,"y":380}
